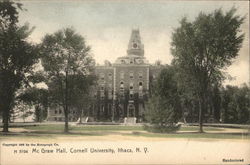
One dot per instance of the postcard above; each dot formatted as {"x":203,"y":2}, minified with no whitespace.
{"x":124,"y":82}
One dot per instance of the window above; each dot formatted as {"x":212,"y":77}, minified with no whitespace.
{"x":110,"y":95}
{"x":110,"y":76}
{"x":102,"y":76}
{"x":122,"y":94}
{"x":131,"y":75}
{"x":55,"y":119}
{"x":140,"y":74}
{"x":102,"y":94}
{"x":60,"y":111}
{"x":140,"y":86}
{"x":131,"y":86}
{"x":102,"y":88}
{"x":55,"y":111}
{"x":121,"y":85}
{"x":131,"y":96}
{"x":122,"y":75}
{"x":140,"y":95}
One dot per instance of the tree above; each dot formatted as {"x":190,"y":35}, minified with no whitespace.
{"x":38,"y":98}
{"x":163,"y":108}
{"x":203,"y":48}
{"x":23,"y":109}
{"x":64,"y":54}
{"x":235,"y":104}
{"x":17,"y":56}
{"x":82,"y":95}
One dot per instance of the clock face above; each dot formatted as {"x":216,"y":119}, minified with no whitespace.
{"x":135,"y":45}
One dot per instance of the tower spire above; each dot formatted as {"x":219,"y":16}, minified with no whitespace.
{"x":135,"y":46}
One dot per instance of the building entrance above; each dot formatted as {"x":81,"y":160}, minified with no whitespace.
{"x":131,"y":110}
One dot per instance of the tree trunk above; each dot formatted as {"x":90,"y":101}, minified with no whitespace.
{"x":81,"y":114}
{"x":6,"y":120}
{"x":66,"y":111}
{"x":66,"y":126}
{"x":201,"y":115}
{"x":113,"y":111}
{"x":41,"y":113}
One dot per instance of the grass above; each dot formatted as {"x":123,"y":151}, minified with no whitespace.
{"x":192,"y":135}
{"x":55,"y":127}
{"x":195,"y":128}
{"x":59,"y":127}
{"x":56,"y":130}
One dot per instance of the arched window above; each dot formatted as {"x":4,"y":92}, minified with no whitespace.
{"x":121,"y":84}
{"x":140,"y":86}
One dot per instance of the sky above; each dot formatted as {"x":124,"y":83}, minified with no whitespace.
{"x":107,"y":25}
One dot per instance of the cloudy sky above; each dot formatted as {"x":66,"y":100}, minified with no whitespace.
{"x":107,"y":25}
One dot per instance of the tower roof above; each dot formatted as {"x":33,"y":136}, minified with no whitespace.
{"x":135,"y":46}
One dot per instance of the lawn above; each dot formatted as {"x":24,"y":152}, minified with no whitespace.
{"x":194,"y":135}
{"x":81,"y":128}
{"x":54,"y":131}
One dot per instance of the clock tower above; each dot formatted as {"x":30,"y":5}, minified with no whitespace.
{"x":135,"y":46}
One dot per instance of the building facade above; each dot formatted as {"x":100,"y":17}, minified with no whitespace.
{"x":122,"y":87}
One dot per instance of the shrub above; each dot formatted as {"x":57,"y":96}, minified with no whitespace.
{"x":166,"y":128}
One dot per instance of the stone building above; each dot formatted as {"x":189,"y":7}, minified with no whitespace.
{"x":122,"y":87}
